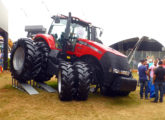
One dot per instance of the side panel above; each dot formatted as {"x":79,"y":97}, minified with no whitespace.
{"x":102,"y":48}
{"x":81,"y":50}
{"x":48,"y":38}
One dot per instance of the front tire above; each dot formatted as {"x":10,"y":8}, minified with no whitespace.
{"x":65,"y":81}
{"x":82,"y":84}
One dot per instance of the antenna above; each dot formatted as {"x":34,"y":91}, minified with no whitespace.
{"x":24,"y":12}
{"x":46,"y":7}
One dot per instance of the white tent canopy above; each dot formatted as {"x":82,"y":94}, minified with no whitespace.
{"x":3,"y":17}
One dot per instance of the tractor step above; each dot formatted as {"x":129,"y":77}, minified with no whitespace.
{"x":46,"y":87}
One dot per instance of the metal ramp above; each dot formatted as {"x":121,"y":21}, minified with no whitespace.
{"x":29,"y":86}
{"x":46,"y":87}
{"x":29,"y":89}
{"x":25,"y":87}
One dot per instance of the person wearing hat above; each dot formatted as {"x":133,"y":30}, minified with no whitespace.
{"x":158,"y":80}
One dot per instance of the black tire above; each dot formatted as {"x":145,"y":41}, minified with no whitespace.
{"x":40,"y":73}
{"x":82,"y":80}
{"x":22,"y":56}
{"x":66,"y":81}
{"x":105,"y":88}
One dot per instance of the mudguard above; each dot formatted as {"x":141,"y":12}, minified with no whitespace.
{"x":48,"y":38}
{"x":53,"y":62}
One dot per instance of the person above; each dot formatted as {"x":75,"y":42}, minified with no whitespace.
{"x":163,"y":63}
{"x":1,"y":58}
{"x":0,"y":55}
{"x":158,"y":59}
{"x":150,"y":63}
{"x":158,"y":79}
{"x":150,"y":85}
{"x":139,"y":64}
{"x":143,"y":79}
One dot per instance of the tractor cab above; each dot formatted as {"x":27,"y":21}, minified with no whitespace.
{"x":67,"y":29}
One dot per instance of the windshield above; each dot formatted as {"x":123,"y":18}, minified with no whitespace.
{"x":76,"y":30}
{"x":57,"y":29}
{"x":79,"y":31}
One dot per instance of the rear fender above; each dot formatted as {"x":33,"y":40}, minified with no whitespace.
{"x":47,"y":38}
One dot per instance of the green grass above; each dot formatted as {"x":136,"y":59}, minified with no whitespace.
{"x":17,"y":105}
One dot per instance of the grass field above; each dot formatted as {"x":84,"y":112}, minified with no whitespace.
{"x":17,"y":105}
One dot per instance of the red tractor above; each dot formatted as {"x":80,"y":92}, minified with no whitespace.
{"x":72,"y":52}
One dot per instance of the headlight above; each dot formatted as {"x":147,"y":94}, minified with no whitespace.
{"x":124,"y":72}
{"x":117,"y":71}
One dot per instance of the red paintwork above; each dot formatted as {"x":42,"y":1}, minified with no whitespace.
{"x":63,"y":16}
{"x":81,"y":50}
{"x":105,"y":48}
{"x":89,"y":51}
{"x":48,"y":38}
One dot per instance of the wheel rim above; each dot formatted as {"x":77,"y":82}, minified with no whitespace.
{"x":18,"y":59}
{"x":59,"y":82}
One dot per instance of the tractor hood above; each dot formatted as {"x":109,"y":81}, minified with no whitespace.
{"x":107,"y":49}
{"x":115,"y":63}
{"x":101,"y":48}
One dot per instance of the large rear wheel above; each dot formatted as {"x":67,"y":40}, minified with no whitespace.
{"x":22,"y":56}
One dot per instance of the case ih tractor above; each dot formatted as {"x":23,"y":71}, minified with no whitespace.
{"x":70,"y":52}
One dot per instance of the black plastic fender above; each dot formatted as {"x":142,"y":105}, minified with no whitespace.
{"x":53,"y":62}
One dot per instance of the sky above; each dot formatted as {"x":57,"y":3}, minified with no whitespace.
{"x":120,"y":19}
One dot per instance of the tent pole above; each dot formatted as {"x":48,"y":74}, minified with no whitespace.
{"x":5,"y":57}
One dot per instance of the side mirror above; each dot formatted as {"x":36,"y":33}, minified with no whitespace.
{"x":93,"y":33}
{"x":101,"y":32}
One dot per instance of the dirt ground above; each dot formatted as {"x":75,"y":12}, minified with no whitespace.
{"x":17,"y":105}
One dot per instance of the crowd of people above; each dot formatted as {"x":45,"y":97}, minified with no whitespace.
{"x":152,"y":78}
